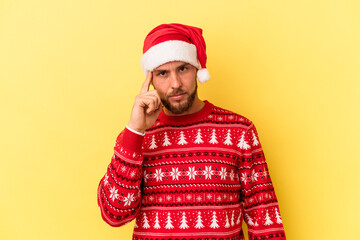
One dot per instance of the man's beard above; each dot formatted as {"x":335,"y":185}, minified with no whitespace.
{"x":183,"y":107}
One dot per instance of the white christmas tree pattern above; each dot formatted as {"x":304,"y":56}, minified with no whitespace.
{"x":199,"y":221}
{"x":113,"y":193}
{"x":227,"y":224}
{"x":228,"y":138}
{"x":249,"y":220}
{"x":169,"y":222}
{"x":243,"y":143}
{"x":146,"y":222}
{"x":198,"y":139}
{"x":255,"y":140}
{"x":233,"y":218}
{"x":136,"y":226}
{"x":239,"y":218}
{"x":183,"y":222}
{"x":278,"y":218}
{"x":153,"y":143}
{"x":166,"y":140}
{"x":214,"y":221}
{"x":157,"y":225}
{"x":267,"y":219}
{"x":213,"y":137}
{"x":182,"y":140}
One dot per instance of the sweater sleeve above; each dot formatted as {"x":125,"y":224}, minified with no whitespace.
{"x":261,"y":209}
{"x":119,"y":191}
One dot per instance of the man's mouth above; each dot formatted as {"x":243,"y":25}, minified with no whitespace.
{"x":177,"y":96}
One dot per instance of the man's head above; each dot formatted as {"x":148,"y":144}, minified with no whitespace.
{"x":176,"y":54}
{"x":176,"y":85}
{"x":175,"y":42}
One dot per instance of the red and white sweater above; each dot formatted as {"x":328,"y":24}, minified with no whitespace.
{"x":192,"y":177}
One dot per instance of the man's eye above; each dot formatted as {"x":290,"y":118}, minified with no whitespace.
{"x":182,"y":69}
{"x":162,"y":73}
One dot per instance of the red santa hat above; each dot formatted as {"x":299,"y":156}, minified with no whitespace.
{"x":175,"y":42}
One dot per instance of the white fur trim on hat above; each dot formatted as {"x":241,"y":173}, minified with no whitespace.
{"x":173,"y":50}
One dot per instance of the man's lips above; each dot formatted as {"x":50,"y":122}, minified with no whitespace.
{"x":177,"y":96}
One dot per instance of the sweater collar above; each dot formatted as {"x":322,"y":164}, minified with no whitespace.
{"x":187,"y":118}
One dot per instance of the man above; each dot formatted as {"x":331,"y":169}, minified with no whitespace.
{"x":183,"y":167}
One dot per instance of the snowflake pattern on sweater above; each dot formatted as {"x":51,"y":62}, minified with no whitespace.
{"x":196,"y":176}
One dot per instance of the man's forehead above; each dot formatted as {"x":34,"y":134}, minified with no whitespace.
{"x":168,"y":65}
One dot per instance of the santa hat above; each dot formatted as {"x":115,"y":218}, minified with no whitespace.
{"x":175,"y":42}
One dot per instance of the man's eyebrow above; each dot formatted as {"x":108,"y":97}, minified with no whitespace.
{"x":183,"y":65}
{"x":165,"y":70}
{"x":160,"y":70}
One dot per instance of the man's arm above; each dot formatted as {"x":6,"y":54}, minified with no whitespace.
{"x":119,"y":191}
{"x":262,"y":214}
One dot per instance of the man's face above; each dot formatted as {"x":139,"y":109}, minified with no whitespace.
{"x":176,"y":85}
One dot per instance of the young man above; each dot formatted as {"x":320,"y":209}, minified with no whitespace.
{"x":183,"y":167}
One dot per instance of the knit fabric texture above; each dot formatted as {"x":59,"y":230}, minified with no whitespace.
{"x":192,"y":177}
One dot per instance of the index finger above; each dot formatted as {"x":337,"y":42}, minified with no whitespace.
{"x":146,"y":85}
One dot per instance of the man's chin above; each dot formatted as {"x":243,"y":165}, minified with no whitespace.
{"x":177,"y":106}
{"x":182,"y":105}
{"x":177,"y":103}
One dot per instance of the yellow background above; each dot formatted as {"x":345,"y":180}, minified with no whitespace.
{"x":69,"y":71}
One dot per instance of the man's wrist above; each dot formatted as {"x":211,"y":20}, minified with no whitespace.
{"x":135,"y":131}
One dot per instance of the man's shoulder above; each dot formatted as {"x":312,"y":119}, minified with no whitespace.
{"x":229,"y":116}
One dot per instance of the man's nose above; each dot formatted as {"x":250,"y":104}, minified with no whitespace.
{"x":175,"y":80}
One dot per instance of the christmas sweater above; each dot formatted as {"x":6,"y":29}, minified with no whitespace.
{"x":197,"y":176}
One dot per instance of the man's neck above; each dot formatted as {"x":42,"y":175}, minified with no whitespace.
{"x":195,"y":107}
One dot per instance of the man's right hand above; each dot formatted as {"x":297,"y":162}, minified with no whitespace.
{"x":147,"y":107}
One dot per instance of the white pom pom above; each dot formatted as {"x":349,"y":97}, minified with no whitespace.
{"x":203,"y":75}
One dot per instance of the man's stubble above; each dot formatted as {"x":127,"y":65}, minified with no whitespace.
{"x":179,"y":109}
